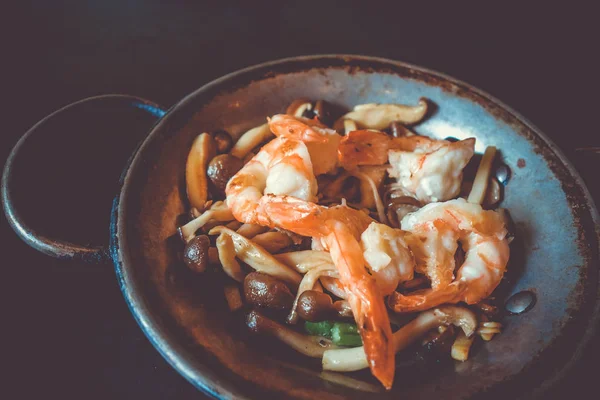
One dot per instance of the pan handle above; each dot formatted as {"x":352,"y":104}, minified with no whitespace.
{"x":22,"y":159}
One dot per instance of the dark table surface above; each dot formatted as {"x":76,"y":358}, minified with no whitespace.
{"x":66,"y":329}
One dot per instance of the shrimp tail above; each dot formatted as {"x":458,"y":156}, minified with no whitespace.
{"x":366,"y":302}
{"x":422,"y":300}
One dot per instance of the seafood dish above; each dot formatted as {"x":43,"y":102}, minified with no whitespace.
{"x":348,"y":236}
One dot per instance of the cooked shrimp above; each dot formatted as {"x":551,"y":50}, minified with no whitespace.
{"x":282,"y":167}
{"x":430,"y":169}
{"x":482,"y":235}
{"x":337,"y":229}
{"x":387,"y":256}
{"x":322,"y":142}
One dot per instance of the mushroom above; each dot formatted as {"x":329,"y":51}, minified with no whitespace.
{"x":317,"y":306}
{"x":251,"y":230}
{"x":493,"y":194}
{"x":482,"y":177}
{"x":203,"y":149}
{"x":233,"y":297}
{"x":398,"y":207}
{"x":223,"y":141}
{"x":263,"y":290}
{"x":370,"y":193}
{"x":349,"y":126}
{"x":380,"y":116}
{"x":323,"y":112}
{"x":398,"y":130}
{"x":299,"y":107}
{"x":311,"y":346}
{"x":272,"y":241}
{"x":250,"y":140}
{"x":220,"y":170}
{"x":308,"y":282}
{"x":227,"y":258}
{"x":195,"y":253}
{"x":334,"y":286}
{"x":258,"y":258}
{"x":355,"y":359}
{"x":305,"y":260}
{"x":461,"y":346}
{"x":218,"y":211}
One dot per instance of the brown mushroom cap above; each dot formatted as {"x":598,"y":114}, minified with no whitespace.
{"x":223,"y":141}
{"x":311,"y":346}
{"x":195,"y":253}
{"x":220,"y":170}
{"x":262,"y":290}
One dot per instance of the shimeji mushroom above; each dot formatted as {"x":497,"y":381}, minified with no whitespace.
{"x":250,"y":140}
{"x":311,"y":346}
{"x":202,"y":151}
{"x":380,"y":116}
{"x":218,"y":211}
{"x":308,"y":282}
{"x":298,"y":107}
{"x":258,"y":258}
{"x":354,"y":359}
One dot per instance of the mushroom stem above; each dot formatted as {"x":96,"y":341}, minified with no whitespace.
{"x":258,"y":258}
{"x":308,"y":281}
{"x":250,"y":140}
{"x":227,"y":258}
{"x":311,"y":346}
{"x":272,"y":241}
{"x":482,"y":177}
{"x":305,"y":260}
{"x":355,"y":359}
{"x":219,"y":212}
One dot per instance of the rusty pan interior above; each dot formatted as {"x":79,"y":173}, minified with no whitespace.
{"x":555,"y":253}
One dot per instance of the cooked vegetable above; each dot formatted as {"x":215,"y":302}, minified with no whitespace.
{"x":250,"y":140}
{"x":234,"y":225}
{"x":316,"y":306}
{"x":262,"y":290}
{"x":482,"y":177}
{"x":345,"y":334}
{"x":399,"y":130}
{"x":272,"y":241}
{"x":341,"y":333}
{"x":308,"y":282}
{"x":227,"y":258}
{"x":355,"y":359}
{"x":220,"y":170}
{"x":299,"y":107}
{"x":251,"y":230}
{"x":258,"y":258}
{"x":493,"y":195}
{"x":223,"y":141}
{"x":462,"y":345}
{"x":218,"y":211}
{"x":305,"y":260}
{"x":311,"y":346}
{"x":321,"y":328}
{"x":213,"y":256}
{"x":195,"y":253}
{"x":380,"y":116}
{"x":233,"y":297}
{"x":203,"y":149}
{"x":371,"y":191}
{"x":349,"y":126}
{"x":398,"y":207}
{"x":322,"y":111}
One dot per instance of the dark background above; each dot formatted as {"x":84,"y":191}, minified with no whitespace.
{"x":65,"y":327}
